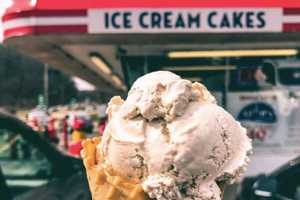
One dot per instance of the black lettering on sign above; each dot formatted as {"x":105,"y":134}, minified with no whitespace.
{"x":261,"y":19}
{"x":167,"y":20}
{"x":142,"y":20}
{"x":106,"y":20}
{"x":210,"y":19}
{"x":127,"y":20}
{"x":194,"y":20}
{"x":249,"y":19}
{"x":180,"y":22}
{"x":114,"y":20}
{"x":156,"y":19}
{"x":237,"y":19}
{"x":225,"y":21}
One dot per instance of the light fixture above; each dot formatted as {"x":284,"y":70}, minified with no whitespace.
{"x":116,"y":80}
{"x":100,"y":63}
{"x":200,"y":68}
{"x":232,"y":53}
{"x":32,"y":2}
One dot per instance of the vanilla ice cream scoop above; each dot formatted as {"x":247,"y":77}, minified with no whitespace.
{"x":172,"y":136}
{"x":158,"y":95}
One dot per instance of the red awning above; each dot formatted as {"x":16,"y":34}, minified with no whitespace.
{"x":27,"y":17}
{"x":86,"y":4}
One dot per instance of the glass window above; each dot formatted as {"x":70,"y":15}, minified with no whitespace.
{"x":21,"y":163}
{"x":289,"y":182}
{"x":289,"y":76}
{"x":253,"y":77}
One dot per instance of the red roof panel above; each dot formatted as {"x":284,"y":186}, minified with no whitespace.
{"x":19,"y":5}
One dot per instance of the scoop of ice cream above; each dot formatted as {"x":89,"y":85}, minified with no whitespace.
{"x":171,"y":136}
{"x":205,"y":141}
{"x":159,"y":94}
{"x":163,"y":187}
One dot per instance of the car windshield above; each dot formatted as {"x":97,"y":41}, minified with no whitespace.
{"x":19,"y":159}
{"x":251,"y":78}
{"x":289,"y":76}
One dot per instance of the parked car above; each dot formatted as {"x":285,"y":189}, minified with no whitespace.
{"x":281,"y":184}
{"x":33,"y":168}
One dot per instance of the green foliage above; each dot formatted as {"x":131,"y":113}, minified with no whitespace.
{"x":21,"y":81}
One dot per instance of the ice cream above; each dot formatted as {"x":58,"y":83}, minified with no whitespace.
{"x":171,"y":137}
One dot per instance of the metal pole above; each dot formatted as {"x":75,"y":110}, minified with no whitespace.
{"x":146,"y":65}
{"x":226,"y":85}
{"x":46,"y":85}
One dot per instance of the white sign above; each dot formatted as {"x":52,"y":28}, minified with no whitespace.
{"x":271,"y":119}
{"x":190,"y":20}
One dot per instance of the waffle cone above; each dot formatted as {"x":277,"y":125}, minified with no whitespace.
{"x":106,"y":185}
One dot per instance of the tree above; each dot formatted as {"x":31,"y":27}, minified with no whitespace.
{"x":21,"y":81}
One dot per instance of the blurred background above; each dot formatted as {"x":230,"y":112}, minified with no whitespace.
{"x":61,"y":62}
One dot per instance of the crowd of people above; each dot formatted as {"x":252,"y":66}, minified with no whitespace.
{"x":67,"y":126}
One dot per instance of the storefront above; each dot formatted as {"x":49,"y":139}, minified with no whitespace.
{"x":65,"y":34}
{"x":112,"y":43}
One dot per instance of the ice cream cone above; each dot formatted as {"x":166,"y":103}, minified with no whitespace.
{"x":105,"y":185}
{"x":167,"y":140}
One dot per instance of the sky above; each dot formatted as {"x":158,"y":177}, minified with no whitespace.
{"x":80,"y":84}
{"x":83,"y":85}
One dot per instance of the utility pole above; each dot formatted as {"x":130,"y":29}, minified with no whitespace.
{"x":226,"y":84}
{"x":146,"y":65}
{"x":46,"y":85}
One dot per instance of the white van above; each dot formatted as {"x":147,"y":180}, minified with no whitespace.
{"x":265,"y":100}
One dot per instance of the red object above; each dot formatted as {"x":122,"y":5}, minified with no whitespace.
{"x":292,"y":27}
{"x":101,"y":127}
{"x":78,"y":123}
{"x":85,"y":4}
{"x":51,"y":129}
{"x":257,"y":133}
{"x":75,"y":148}
{"x":28,"y":17}
{"x":65,"y":132}
{"x":27,"y":30}
{"x":44,"y":13}
{"x":35,"y":123}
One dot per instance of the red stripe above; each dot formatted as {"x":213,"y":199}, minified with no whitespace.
{"x":57,"y":4}
{"x":87,"y":4}
{"x":44,"y":13}
{"x":30,"y":30}
{"x":291,"y":11}
{"x":291,"y":27}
